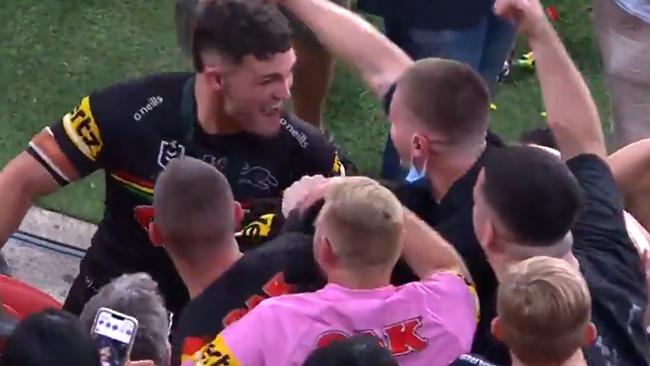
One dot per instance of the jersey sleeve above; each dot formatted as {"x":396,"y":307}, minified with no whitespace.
{"x":240,"y":344}
{"x":75,"y":146}
{"x":455,"y":303}
{"x":600,"y":228}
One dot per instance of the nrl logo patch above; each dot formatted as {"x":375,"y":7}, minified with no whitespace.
{"x":169,"y":150}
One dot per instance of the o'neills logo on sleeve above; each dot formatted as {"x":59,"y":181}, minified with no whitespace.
{"x":300,"y":136}
{"x":152,"y":103}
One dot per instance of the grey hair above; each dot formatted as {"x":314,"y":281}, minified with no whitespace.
{"x":135,"y":295}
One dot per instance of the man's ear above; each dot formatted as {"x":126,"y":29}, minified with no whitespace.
{"x":491,"y":244}
{"x":590,"y":335}
{"x":214,"y":77}
{"x":238,"y":213}
{"x":155,"y":236}
{"x":496,"y":330}
{"x":420,"y":146}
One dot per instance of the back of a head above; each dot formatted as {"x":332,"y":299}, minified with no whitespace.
{"x":233,"y":29}
{"x":544,"y":309}
{"x":194,"y":207}
{"x":354,"y":351}
{"x":51,"y":337}
{"x":448,"y":98}
{"x":533,"y":194}
{"x":364,"y":223}
{"x":135,"y":295}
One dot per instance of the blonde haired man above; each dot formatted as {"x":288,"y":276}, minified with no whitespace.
{"x":361,"y":231}
{"x":544,"y":313}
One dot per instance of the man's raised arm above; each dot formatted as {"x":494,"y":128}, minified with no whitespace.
{"x":426,"y":252}
{"x":572,"y":113}
{"x":352,"y":40}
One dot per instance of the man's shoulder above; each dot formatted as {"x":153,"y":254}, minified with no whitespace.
{"x":136,"y":98}
{"x":302,"y":133}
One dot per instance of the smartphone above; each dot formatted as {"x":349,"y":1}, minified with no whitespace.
{"x":114,"y":334}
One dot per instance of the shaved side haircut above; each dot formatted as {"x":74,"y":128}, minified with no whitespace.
{"x":193,"y":206}
{"x":448,"y":98}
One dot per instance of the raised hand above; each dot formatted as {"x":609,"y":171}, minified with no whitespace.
{"x":527,"y":14}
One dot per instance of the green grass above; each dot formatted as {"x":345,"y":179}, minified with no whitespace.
{"x":55,"y":52}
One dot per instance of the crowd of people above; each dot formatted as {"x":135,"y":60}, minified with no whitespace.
{"x":234,"y":236}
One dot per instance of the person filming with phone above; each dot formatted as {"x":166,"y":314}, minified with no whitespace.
{"x":128,"y":321}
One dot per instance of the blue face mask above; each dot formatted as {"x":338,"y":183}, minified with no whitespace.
{"x":414,"y":175}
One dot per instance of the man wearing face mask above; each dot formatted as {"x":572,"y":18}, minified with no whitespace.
{"x":228,"y":113}
{"x":438,"y":111}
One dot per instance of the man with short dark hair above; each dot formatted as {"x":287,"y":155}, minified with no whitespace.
{"x":443,"y":166}
{"x":528,"y":202}
{"x":227,"y":113}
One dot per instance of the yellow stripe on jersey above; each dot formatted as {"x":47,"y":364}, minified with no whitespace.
{"x":132,"y":184}
{"x":83,"y":131}
{"x":216,"y":353}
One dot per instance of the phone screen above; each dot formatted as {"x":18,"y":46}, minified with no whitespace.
{"x":113,"y":334}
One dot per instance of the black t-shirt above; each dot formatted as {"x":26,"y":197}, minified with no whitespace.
{"x":131,"y":131}
{"x":452,"y":218}
{"x":611,"y":266}
{"x":259,"y":274}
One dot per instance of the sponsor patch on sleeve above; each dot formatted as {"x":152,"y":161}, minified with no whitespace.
{"x":81,"y":128}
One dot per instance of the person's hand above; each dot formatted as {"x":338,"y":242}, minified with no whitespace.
{"x":296,"y":195}
{"x":527,"y":14}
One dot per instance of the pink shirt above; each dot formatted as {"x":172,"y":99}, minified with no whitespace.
{"x":422,"y":323}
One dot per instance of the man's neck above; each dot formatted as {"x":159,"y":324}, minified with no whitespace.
{"x":578,"y":359}
{"x":200,"y":275}
{"x":210,"y":112}
{"x":501,"y":264}
{"x":443,"y":173}
{"x":355,"y":281}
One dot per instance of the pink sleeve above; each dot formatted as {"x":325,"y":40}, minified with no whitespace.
{"x":455,"y":304}
{"x":240,"y":344}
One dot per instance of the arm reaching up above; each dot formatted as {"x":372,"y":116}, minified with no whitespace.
{"x":426,"y":252}
{"x":572,"y":113}
{"x":353,"y":40}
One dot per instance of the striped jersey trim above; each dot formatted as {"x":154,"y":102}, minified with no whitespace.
{"x":136,"y":185}
{"x":43,"y":148}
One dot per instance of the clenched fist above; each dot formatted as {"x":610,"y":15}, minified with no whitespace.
{"x":528,"y":14}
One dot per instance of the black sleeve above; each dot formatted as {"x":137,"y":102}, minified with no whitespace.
{"x":76,"y":144}
{"x":600,"y":230}
{"x":303,"y":222}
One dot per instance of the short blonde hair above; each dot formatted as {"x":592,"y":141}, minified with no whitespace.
{"x":543,"y":306}
{"x":364,"y":223}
